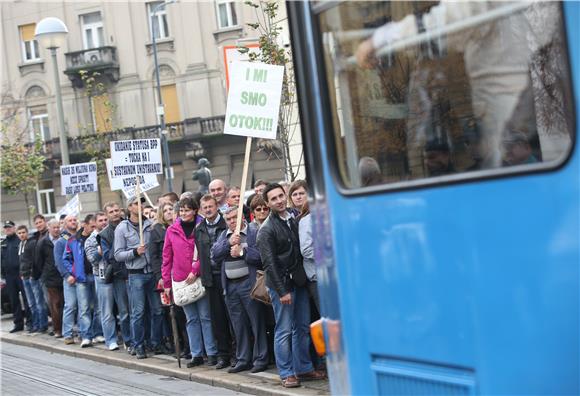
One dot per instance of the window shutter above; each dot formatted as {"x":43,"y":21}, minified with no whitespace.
{"x":27,"y":32}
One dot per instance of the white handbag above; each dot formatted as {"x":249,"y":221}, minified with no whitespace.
{"x":184,"y":293}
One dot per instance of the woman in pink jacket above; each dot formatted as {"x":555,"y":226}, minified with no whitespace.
{"x":178,"y":264}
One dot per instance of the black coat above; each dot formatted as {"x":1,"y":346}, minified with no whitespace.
{"x":49,"y":274}
{"x":10,"y":264}
{"x":36,"y":260}
{"x":27,"y":259}
{"x":280,"y":251}
{"x":204,"y":245}
{"x":156,"y":242}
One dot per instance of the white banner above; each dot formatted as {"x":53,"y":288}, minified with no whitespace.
{"x":136,"y":157}
{"x":127,"y":184}
{"x":78,"y":178}
{"x":72,"y":207}
{"x":254,"y":99}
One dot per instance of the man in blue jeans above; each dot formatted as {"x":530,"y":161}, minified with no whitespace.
{"x":120,"y":296}
{"x":286,"y":281}
{"x":78,"y":283}
{"x":134,"y":253}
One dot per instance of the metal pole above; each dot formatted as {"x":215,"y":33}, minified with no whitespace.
{"x":162,"y":135}
{"x":61,"y":132}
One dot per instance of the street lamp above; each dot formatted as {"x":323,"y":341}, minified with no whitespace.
{"x":51,"y":33}
{"x":161,"y":108}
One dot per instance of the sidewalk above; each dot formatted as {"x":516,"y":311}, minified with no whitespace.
{"x":265,"y":383}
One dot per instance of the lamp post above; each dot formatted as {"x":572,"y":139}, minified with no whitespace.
{"x":161,"y":108}
{"x":51,"y":33}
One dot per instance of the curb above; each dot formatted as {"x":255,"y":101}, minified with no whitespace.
{"x":256,"y":384}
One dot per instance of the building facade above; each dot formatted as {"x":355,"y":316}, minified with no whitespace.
{"x":108,"y":85}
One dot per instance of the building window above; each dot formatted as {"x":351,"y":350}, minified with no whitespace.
{"x":45,"y":198}
{"x":92,"y":27}
{"x":226,"y":13}
{"x":171,"y":104}
{"x":29,"y":45}
{"x":158,"y":22}
{"x":39,"y":123}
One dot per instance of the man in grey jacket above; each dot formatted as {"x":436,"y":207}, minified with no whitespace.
{"x":133,"y":252}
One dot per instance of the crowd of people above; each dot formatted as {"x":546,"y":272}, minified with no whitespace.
{"x":108,"y":279}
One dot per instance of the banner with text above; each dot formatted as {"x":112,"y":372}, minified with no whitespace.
{"x":127,"y":184}
{"x":254,"y":99}
{"x":78,"y":178}
{"x":72,"y":207}
{"x":136,"y":157}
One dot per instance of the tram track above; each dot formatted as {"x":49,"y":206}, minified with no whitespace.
{"x":62,"y":389}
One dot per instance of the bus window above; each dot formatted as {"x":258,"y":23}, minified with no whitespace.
{"x":424,"y":90}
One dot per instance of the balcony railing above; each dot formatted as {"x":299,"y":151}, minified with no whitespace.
{"x":102,"y":60}
{"x":189,"y":129}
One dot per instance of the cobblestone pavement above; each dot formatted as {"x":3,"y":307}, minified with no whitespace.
{"x":28,"y":371}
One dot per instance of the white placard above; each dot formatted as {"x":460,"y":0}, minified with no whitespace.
{"x":254,"y":99}
{"x":78,"y":178}
{"x":127,"y":184}
{"x":136,"y":157}
{"x":72,"y":207}
{"x":148,"y":182}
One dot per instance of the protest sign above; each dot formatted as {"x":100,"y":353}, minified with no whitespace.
{"x":72,"y":207}
{"x":127,"y":184}
{"x":254,"y":100}
{"x":78,"y":178}
{"x":136,"y":157}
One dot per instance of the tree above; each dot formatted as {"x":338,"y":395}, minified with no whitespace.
{"x":22,"y":162}
{"x":269,"y":27}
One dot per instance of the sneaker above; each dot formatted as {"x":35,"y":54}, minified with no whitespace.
{"x":69,"y":341}
{"x":113,"y":346}
{"x":16,"y":329}
{"x":99,"y":340}
{"x":131,"y":351}
{"x":140,"y":353}
{"x":86,"y":343}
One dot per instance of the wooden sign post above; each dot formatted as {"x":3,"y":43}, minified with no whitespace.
{"x":138,"y":195}
{"x":243,"y":185}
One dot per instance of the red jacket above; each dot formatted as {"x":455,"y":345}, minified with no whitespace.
{"x":178,"y":255}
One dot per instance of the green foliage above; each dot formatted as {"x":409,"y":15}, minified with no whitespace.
{"x":96,"y":143}
{"x":22,"y":163}
{"x":271,"y":52}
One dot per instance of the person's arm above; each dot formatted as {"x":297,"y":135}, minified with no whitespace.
{"x":67,"y":260}
{"x":167,"y":264}
{"x":221,"y":248}
{"x":252,"y":253}
{"x":267,"y":246}
{"x":156,"y":252}
{"x":92,"y":251}
{"x":57,"y":254}
{"x":122,"y":252}
{"x":305,"y":235}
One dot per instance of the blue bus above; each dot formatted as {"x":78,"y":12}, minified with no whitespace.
{"x":440,"y":140}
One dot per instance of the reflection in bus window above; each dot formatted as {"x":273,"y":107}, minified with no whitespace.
{"x":428,"y":89}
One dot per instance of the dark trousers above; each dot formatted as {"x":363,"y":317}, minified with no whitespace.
{"x":15,"y":288}
{"x":220,"y":322}
{"x":56,"y":304}
{"x":248,"y":322}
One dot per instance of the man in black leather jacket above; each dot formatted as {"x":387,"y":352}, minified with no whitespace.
{"x":286,"y":280}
